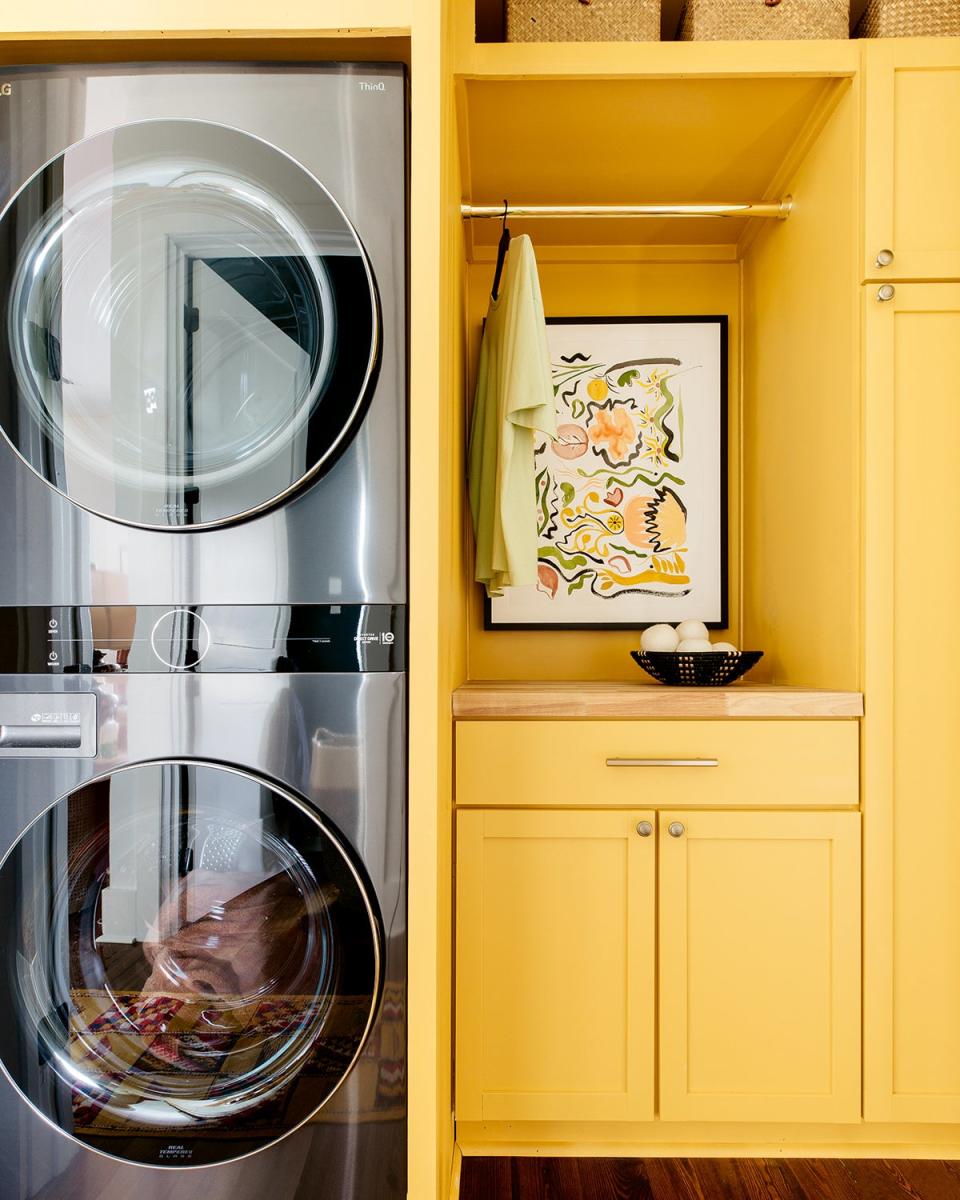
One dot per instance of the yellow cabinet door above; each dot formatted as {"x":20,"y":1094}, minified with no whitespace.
{"x":912,"y":158}
{"x":912,"y":728}
{"x":555,"y":966}
{"x":759,"y":966}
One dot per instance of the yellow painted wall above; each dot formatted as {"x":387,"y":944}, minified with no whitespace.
{"x":801,"y":422}
{"x":437,"y":607}
{"x":116,"y":16}
{"x":596,"y":289}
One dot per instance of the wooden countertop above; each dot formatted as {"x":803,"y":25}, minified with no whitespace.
{"x":502,"y":700}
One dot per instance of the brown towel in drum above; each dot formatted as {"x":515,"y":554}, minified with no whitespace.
{"x":228,"y":934}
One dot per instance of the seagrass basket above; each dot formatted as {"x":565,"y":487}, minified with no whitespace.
{"x":910,"y":18}
{"x":583,"y":20}
{"x":764,"y":20}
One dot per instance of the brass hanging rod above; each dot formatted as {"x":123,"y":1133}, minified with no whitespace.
{"x":778,"y":209}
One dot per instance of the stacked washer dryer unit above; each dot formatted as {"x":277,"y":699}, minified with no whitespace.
{"x":202,"y":633}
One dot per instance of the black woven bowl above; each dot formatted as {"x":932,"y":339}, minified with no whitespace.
{"x":704,"y":669}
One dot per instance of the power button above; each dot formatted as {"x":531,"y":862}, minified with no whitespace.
{"x":180,"y":639}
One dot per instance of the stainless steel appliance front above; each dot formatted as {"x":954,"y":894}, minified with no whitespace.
{"x":202,"y":337}
{"x":204,"y":939}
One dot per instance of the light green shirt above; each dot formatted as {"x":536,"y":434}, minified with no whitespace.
{"x":514,"y":398}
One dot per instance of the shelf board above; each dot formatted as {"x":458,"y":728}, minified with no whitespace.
{"x":636,"y":60}
{"x":506,"y":700}
{"x":675,"y":137}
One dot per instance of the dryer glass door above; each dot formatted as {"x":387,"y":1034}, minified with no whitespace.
{"x":191,"y":329}
{"x":193,"y":964}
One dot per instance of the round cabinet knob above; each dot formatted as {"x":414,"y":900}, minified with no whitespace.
{"x":675,"y":829}
{"x":886,"y":292}
{"x":644,"y":828}
{"x":884,"y":258}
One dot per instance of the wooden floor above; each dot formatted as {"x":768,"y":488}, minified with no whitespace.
{"x":707,"y":1179}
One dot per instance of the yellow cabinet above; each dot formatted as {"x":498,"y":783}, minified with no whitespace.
{"x":912,"y":159}
{"x":911,"y":759}
{"x":759,"y":966}
{"x":555,"y":966}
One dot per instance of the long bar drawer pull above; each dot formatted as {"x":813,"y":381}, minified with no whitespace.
{"x":663,"y":762}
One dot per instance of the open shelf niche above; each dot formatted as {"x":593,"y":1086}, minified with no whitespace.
{"x":552,"y":134}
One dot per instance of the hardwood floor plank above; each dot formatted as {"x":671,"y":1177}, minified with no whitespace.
{"x":822,"y":1177}
{"x":708,"y":1179}
{"x":882,"y":1179}
{"x":768,"y":1179}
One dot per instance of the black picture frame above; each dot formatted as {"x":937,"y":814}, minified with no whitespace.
{"x":723,"y":322}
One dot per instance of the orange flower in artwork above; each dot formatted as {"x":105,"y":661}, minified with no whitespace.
{"x":613,"y":427}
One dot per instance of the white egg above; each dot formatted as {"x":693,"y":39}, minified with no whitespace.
{"x":659,"y":638}
{"x":694,"y":646}
{"x":724,"y":647}
{"x":692,"y":630}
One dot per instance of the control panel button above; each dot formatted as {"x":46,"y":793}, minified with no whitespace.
{"x":180,"y":639}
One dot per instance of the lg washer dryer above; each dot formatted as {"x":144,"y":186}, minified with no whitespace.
{"x":203,"y":895}
{"x":202,"y":334}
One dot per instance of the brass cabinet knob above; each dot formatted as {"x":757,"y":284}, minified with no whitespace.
{"x":675,"y":829}
{"x":884,"y":258}
{"x":644,"y":828}
{"x":886,"y":292}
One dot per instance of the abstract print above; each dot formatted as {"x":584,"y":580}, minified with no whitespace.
{"x":629,"y":496}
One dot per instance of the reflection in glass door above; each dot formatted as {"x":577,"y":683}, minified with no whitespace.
{"x":191,"y":327}
{"x":196,"y":957}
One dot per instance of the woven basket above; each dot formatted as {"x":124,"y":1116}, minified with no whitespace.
{"x":910,"y":18}
{"x":583,"y":20}
{"x":764,"y":20}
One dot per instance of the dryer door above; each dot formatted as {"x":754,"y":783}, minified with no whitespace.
{"x":191,"y":326}
{"x":192,"y":964}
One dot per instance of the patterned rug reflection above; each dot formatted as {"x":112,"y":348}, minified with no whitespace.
{"x":145,"y":1062}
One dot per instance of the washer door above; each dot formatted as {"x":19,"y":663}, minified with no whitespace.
{"x":191,"y":964}
{"x":191,"y":325}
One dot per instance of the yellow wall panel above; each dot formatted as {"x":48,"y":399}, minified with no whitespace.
{"x":437,"y":601}
{"x":55,"y":16}
{"x":801,"y":431}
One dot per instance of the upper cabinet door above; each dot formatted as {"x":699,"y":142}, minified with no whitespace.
{"x":912,"y":167}
{"x":911,"y":759}
{"x":555,"y":965}
{"x":759,"y":966}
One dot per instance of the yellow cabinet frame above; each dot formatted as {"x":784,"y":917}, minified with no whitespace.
{"x":555,"y":966}
{"x":911,"y":770}
{"x":912,"y":158}
{"x":759,"y":966}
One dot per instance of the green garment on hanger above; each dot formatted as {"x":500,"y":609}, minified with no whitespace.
{"x":514,"y":399}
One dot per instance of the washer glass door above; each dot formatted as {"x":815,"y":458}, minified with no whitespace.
{"x":191,"y":325}
{"x":192,"y":964}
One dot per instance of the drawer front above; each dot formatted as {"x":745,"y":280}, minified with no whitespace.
{"x":606,"y":764}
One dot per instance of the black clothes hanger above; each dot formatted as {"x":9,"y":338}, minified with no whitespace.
{"x":502,"y":248}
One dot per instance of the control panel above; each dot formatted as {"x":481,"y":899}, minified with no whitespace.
{"x":134,"y":639}
{"x":48,"y":725}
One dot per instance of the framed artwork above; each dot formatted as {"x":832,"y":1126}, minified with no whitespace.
{"x":631,"y":497}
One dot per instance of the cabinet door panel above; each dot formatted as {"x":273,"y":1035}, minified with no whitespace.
{"x":912,"y":171}
{"x":760,"y":967}
{"x":911,"y":760}
{"x":555,"y":966}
